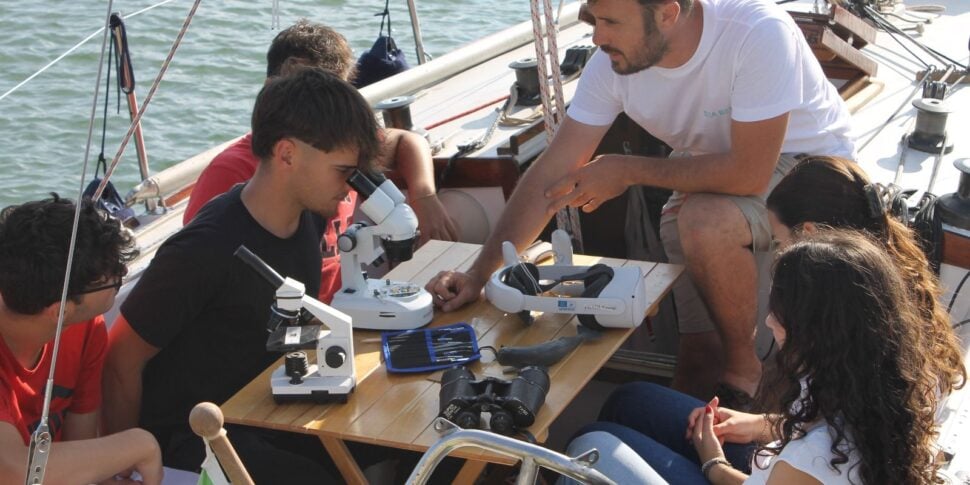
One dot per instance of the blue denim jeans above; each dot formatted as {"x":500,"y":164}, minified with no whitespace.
{"x":652,"y":420}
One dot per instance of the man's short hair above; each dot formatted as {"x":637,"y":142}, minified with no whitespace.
{"x":34,"y":240}
{"x":650,"y":5}
{"x":317,"y":108}
{"x":310,"y":44}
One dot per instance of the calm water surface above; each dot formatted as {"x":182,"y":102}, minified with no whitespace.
{"x":206,"y":96}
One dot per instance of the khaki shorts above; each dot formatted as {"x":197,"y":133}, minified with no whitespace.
{"x":692,"y":314}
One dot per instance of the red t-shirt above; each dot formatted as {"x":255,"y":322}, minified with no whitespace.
{"x":237,"y":164}
{"x":77,"y":380}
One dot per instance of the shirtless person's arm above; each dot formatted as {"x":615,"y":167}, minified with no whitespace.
{"x":410,"y":155}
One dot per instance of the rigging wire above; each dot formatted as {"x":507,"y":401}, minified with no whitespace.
{"x":148,"y":98}
{"x":40,"y":440}
{"x":75,"y":47}
{"x":883,"y":23}
{"x":892,"y":29}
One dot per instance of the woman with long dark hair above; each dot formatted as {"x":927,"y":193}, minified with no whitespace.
{"x":856,"y":405}
{"x":835,"y":192}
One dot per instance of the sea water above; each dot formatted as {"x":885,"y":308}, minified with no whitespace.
{"x":207,"y":94}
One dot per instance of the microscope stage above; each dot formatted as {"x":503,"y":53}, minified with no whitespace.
{"x":386,"y":305}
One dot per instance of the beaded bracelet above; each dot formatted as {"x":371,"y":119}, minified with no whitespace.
{"x":706,"y":467}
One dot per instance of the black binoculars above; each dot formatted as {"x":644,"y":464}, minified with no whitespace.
{"x":512,"y":403}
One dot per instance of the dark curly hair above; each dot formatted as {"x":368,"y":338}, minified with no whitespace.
{"x":310,"y":44}
{"x":34,"y":239}
{"x":831,"y":191}
{"x":853,"y":342}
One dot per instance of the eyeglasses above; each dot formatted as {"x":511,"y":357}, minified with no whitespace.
{"x":116,"y":285}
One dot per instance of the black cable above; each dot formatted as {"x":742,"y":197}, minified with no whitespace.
{"x":123,"y":64}
{"x":958,"y":325}
{"x":768,"y":353}
{"x":489,"y":348}
{"x":956,"y":292}
{"x":385,"y":15}
{"x":102,"y":162}
{"x":889,"y":27}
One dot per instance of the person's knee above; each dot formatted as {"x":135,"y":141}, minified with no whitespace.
{"x":711,"y":220}
{"x":632,"y":395}
{"x":595,"y":438}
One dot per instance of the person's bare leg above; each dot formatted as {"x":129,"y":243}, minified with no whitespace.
{"x":716,"y":240}
{"x":699,"y":363}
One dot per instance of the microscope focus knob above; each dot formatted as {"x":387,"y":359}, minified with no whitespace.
{"x":335,"y":357}
{"x":346,"y":242}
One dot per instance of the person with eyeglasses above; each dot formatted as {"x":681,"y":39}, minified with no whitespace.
{"x":34,"y":241}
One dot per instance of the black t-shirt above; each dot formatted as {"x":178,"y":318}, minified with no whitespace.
{"x":207,"y":310}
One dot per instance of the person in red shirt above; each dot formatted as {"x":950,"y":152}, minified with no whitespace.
{"x":316,"y":45}
{"x":34,"y":240}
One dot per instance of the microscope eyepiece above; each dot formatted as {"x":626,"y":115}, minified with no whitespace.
{"x":360,"y":182}
{"x":259,"y":266}
{"x":377,"y":177}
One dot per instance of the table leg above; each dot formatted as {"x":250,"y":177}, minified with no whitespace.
{"x":344,"y":460}
{"x":470,"y":472}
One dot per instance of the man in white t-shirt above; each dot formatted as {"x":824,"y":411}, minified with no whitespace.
{"x":733,"y":88}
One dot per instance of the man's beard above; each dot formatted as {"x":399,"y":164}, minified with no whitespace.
{"x":653,"y":51}
{"x":646,"y":58}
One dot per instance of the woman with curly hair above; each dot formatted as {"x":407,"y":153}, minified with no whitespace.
{"x":856,"y":405}
{"x":835,"y":192}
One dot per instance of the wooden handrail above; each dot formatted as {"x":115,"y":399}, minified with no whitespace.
{"x":206,"y":421}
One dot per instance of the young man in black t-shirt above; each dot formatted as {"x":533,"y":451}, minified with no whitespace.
{"x":194,"y":327}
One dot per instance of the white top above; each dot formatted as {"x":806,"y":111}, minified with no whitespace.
{"x":810,"y":454}
{"x":752,"y":64}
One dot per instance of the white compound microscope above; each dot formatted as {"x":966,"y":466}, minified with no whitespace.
{"x":378,"y":304}
{"x":297,"y":323}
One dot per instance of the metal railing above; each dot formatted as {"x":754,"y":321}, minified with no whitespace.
{"x":531,"y":456}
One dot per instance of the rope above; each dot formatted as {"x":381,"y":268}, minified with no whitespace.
{"x":74,"y":48}
{"x":148,"y":99}
{"x":568,"y":218}
{"x":474,"y":145}
{"x":552,"y":32}
{"x":40,"y":440}
{"x":540,"y":46}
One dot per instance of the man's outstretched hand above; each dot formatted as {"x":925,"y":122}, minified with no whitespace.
{"x":452,"y":290}
{"x":589,"y":186}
